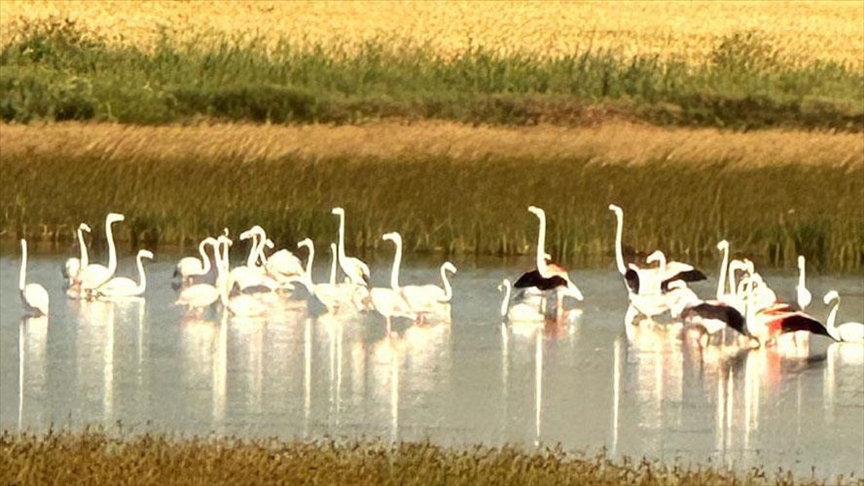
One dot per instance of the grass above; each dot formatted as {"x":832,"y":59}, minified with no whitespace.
{"x":62,"y":70}
{"x":97,"y":458}
{"x":462,"y":198}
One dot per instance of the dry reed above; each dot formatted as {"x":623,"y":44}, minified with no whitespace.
{"x":97,"y":458}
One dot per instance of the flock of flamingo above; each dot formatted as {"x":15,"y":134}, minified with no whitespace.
{"x":744,"y":306}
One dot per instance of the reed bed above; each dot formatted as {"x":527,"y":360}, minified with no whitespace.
{"x":441,"y":200}
{"x":65,"y":69}
{"x":98,"y":458}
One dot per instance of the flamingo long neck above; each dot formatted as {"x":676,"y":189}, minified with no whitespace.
{"x":205,"y":260}
{"x":541,"y":246}
{"x":832,"y":316}
{"x":112,"y":251}
{"x":397,"y":260}
{"x":801,"y":277}
{"x":22,"y":274}
{"x":341,"y":238}
{"x":142,"y":277}
{"x":311,"y":258}
{"x":252,"y":259}
{"x":506,"y":301}
{"x":724,"y":267}
{"x":332,"y":264}
{"x":661,"y":257}
{"x":619,"y":251}
{"x":221,"y":283}
{"x":85,"y":258}
{"x":262,"y":243}
{"x":448,"y":291}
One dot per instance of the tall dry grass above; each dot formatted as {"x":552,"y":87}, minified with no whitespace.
{"x":446,"y":188}
{"x":97,"y":458}
{"x":615,"y":143}
{"x":807,"y":30}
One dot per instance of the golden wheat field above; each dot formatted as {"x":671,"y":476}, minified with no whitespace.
{"x":803,"y":31}
{"x":611,"y":142}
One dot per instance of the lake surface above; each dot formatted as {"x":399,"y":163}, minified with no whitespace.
{"x":151,"y":367}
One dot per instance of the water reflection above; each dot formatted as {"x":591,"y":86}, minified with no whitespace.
{"x":643,"y":390}
{"x":32,"y":338}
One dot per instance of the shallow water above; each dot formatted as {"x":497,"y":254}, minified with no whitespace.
{"x":148,"y":366}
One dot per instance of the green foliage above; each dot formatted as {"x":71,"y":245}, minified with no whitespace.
{"x":59,"y":70}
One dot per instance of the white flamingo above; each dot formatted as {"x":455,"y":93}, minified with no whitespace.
{"x":74,"y":265}
{"x":430,"y":299}
{"x":519,"y":314}
{"x":252,"y":276}
{"x":334,"y":296}
{"x":240,"y":305}
{"x":34,"y":297}
{"x":94,"y":275}
{"x":202,"y":295}
{"x":353,"y":268}
{"x":389,"y":302}
{"x":848,"y":332}
{"x":189,"y":267}
{"x":119,"y":288}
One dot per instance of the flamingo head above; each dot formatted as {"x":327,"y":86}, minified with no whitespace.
{"x":269,"y":243}
{"x":338,"y":211}
{"x":307,"y":242}
{"x":657,"y":256}
{"x":394,"y":237}
{"x":536,"y":211}
{"x":801,"y":262}
{"x":84,"y":227}
{"x":145,"y":254}
{"x":830,"y":296}
{"x":616,"y":209}
{"x":449,"y":267}
{"x":505,"y":284}
{"x":723,"y":245}
{"x":114,"y":218}
{"x":224,"y":240}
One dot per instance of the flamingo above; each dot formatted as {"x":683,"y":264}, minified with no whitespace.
{"x":252,"y":277}
{"x":548,"y":275}
{"x":520,"y":315}
{"x":34,"y":297}
{"x":767,"y":324}
{"x":124,"y":287}
{"x":389,"y":302}
{"x":202,"y":295}
{"x":240,"y":305}
{"x":93,"y":275}
{"x":353,"y":268}
{"x":655,"y":279}
{"x":426,"y":299}
{"x":74,"y":265}
{"x":848,"y":332}
{"x":333,"y":296}
{"x":708,"y":317}
{"x":189,"y":267}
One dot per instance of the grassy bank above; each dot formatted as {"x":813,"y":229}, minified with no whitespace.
{"x":453,"y":199}
{"x":61,"y":70}
{"x":96,"y":458}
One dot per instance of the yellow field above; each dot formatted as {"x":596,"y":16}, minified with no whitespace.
{"x":804,"y":31}
{"x":613,"y":142}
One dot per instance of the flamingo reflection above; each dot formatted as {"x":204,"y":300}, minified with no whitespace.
{"x":32,"y":336}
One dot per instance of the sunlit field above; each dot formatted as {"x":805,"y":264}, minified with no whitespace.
{"x":807,"y":31}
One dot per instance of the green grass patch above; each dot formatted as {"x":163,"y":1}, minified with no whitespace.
{"x":440,"y":204}
{"x":59,"y":70}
